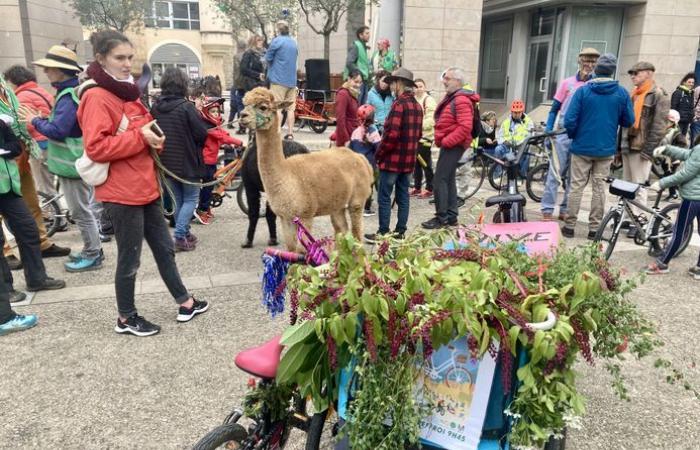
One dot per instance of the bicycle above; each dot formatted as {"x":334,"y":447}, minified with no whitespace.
{"x":655,"y":232}
{"x":511,"y":205}
{"x":54,"y":216}
{"x":470,"y":174}
{"x":453,"y":368}
{"x":229,"y":163}
{"x":538,"y":156}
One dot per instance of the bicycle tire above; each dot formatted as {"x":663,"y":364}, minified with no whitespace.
{"x":242,"y":200}
{"x":50,"y":206}
{"x":611,"y":219}
{"x":536,"y":182}
{"x":318,"y":126}
{"x":497,"y":182}
{"x":656,"y":228}
{"x":470,"y":176}
{"x":220,"y":436}
{"x":320,"y":432}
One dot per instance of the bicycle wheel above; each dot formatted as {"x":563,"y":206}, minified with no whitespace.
{"x":51,"y":211}
{"x":470,"y":176}
{"x":242,"y":200}
{"x":322,"y":430}
{"x":536,"y":181}
{"x":220,"y":436}
{"x":497,"y":177}
{"x":608,"y":232}
{"x":663,"y":229}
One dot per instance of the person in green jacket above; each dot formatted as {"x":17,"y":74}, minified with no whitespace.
{"x":687,"y":178}
{"x":358,"y":59}
{"x":383,"y":57}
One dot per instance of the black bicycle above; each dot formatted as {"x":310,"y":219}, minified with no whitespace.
{"x":655,"y":232}
{"x":511,"y":203}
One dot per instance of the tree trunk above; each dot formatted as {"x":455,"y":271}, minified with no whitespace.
{"x":327,"y":46}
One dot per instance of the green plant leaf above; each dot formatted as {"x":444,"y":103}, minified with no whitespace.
{"x":297,"y":333}
{"x":292,"y":361}
{"x":513,"y":334}
{"x":384,"y":308}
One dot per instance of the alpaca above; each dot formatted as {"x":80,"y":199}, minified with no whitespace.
{"x":325,"y":183}
{"x":253,"y":186}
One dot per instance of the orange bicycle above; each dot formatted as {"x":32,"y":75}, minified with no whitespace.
{"x":228,"y":164}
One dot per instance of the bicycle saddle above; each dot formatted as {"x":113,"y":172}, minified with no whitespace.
{"x":508,"y":198}
{"x":261,"y":361}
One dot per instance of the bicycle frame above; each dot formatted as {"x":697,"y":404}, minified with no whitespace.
{"x":624,"y":206}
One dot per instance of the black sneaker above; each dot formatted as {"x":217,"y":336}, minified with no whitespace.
{"x":186,"y":314}
{"x":17,"y":296}
{"x":55,"y":251}
{"x":453,"y":222}
{"x":49,"y":284}
{"x":136,"y":325}
{"x":591,"y":235}
{"x":434,"y":224}
{"x":14,"y":263}
{"x":567,"y":232}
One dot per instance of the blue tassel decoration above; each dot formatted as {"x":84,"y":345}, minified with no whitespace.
{"x":273,"y":283}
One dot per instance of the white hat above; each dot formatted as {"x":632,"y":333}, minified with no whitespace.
{"x":674,"y":116}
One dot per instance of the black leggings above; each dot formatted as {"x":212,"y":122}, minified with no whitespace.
{"x":689,"y":211}
{"x":425,"y":153}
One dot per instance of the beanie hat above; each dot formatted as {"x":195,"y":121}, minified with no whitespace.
{"x":606,"y":65}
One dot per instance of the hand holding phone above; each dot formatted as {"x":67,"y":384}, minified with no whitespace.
{"x":150,"y":131}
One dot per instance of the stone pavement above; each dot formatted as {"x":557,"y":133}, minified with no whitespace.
{"x":72,"y":383}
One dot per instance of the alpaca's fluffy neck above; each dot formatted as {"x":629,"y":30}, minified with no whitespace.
{"x":270,"y":156}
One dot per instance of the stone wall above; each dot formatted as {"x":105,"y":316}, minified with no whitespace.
{"x":439,"y":34}
{"x":665,"y":33}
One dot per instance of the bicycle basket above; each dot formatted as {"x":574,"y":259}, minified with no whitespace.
{"x":624,"y":189}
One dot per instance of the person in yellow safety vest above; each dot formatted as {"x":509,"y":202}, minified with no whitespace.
{"x":513,"y":131}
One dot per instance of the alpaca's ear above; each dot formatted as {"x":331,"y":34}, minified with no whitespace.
{"x":283,"y":105}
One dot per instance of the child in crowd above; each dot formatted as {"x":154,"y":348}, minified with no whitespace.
{"x":365,"y":140}
{"x":211,"y":110}
{"x":687,"y":178}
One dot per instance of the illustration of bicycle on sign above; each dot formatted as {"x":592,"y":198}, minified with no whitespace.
{"x":452,"y":371}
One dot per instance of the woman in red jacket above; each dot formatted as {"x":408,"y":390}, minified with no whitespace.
{"x":117,"y":129}
{"x":346,"y":104}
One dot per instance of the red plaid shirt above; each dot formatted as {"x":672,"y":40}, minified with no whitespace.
{"x":402,"y":131}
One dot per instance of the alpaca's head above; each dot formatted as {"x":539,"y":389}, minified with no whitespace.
{"x":260,"y":109}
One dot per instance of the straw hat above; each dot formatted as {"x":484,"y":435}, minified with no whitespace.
{"x":60,"y":57}
{"x":402,"y":74}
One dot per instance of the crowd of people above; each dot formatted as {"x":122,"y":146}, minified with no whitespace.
{"x":99,"y":140}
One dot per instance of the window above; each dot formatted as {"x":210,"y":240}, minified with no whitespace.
{"x":178,"y":15}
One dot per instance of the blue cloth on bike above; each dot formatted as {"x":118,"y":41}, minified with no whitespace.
{"x":593,"y":117}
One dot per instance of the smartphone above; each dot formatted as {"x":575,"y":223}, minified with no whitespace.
{"x":156,"y":129}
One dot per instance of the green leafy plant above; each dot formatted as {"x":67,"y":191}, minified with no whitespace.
{"x":384,"y":312}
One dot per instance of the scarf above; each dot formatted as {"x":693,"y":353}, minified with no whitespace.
{"x":124,"y":89}
{"x":354,"y":92}
{"x":638,"y":96}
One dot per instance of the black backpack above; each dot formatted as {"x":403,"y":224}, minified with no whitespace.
{"x":476,"y":119}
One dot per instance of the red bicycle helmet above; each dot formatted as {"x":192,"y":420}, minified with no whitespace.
{"x":364,"y":111}
{"x":211,"y":103}
{"x":517,"y":106}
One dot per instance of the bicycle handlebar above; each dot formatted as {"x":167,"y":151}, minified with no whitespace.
{"x":523,"y":147}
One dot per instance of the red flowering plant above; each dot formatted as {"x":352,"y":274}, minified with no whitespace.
{"x":383,"y":312}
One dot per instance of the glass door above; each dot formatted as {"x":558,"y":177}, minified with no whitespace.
{"x":538,"y":73}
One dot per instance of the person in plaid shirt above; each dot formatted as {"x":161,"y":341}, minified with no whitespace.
{"x":396,"y":155}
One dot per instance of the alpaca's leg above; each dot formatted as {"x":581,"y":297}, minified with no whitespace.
{"x":356,"y":219}
{"x":252,"y":194}
{"x":289,"y":234}
{"x":339,"y":221}
{"x":271,"y":224}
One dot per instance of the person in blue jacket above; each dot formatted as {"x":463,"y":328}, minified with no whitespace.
{"x":596,"y":111}
{"x":381,"y":99}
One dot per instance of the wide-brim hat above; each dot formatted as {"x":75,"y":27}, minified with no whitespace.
{"x":60,"y":57}
{"x":401,"y":74}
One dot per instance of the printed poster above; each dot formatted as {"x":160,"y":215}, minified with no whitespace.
{"x":460,"y":385}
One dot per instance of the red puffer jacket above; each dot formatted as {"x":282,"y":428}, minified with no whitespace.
{"x":32,"y":95}
{"x":216,"y":137}
{"x":132,"y":172}
{"x":453,"y":126}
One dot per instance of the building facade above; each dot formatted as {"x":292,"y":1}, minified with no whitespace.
{"x":521,"y":48}
{"x":30,"y":27}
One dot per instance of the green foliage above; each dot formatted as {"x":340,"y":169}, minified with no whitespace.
{"x":272,"y":399}
{"x":385,"y":311}
{"x":255,"y":16}
{"x":115,"y":14}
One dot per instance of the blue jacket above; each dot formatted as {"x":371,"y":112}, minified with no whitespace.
{"x":382,"y":106}
{"x":281,"y":60}
{"x":596,"y":111}
{"x":65,"y":120}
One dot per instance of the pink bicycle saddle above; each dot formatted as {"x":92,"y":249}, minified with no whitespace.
{"x":261,"y":361}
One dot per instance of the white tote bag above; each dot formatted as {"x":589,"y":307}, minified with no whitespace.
{"x":95,"y":173}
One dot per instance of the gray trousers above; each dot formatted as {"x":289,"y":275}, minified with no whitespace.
{"x":636,"y":169}
{"x":584,"y":168}
{"x":80,"y":197}
{"x":43,"y":179}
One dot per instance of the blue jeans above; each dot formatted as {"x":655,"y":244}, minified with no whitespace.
{"x":186,"y":199}
{"x":387,"y":181}
{"x":551,"y":188}
{"x":502,"y":150}
{"x":236,"y":103}
{"x":205,"y":194}
{"x":694,"y":131}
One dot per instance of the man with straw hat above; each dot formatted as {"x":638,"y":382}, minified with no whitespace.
{"x":396,"y":155}
{"x":64,"y":148}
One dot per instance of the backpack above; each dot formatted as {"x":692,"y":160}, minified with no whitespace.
{"x":476,"y":119}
